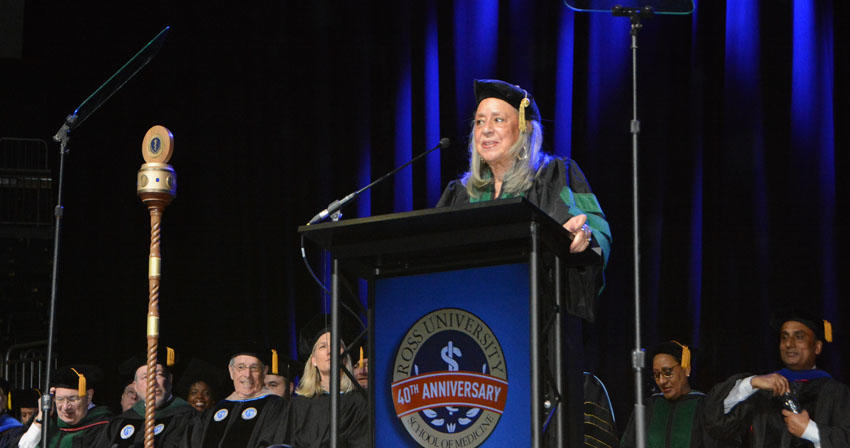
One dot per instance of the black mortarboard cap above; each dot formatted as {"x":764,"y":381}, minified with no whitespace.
{"x":321,"y":324}
{"x":165,"y":355}
{"x":821,"y":327}
{"x":283,"y":366}
{"x":511,"y":94}
{"x":77,"y":376}
{"x":248,"y":347}
{"x":25,"y":398}
{"x":680,"y":352}
{"x":200,"y":370}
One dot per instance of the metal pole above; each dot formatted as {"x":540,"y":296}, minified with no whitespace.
{"x":534,"y":338}
{"x":637,"y":354}
{"x":560,"y":372}
{"x":46,"y":399}
{"x":334,"y":420}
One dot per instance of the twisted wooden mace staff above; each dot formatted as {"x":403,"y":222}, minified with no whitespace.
{"x":156,"y":184}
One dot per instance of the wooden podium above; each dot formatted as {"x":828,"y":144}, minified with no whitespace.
{"x":468,"y":339}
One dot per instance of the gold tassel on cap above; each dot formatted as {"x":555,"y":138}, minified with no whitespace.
{"x":827,"y":330}
{"x":169,"y":356}
{"x":9,"y":400}
{"x":523,"y":126}
{"x":360,"y":362}
{"x":686,"y":355}
{"x":81,"y":382}
{"x":274,"y":362}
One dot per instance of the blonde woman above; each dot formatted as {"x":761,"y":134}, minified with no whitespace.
{"x":309,"y":412}
{"x":317,"y":370}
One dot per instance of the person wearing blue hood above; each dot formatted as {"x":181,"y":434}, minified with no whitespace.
{"x":796,"y":406}
{"x":10,"y":428}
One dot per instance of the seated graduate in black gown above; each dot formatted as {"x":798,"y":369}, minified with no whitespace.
{"x":796,"y":406}
{"x":75,"y":420}
{"x":506,"y":161}
{"x":172,"y":414}
{"x":200,"y":381}
{"x":309,"y":414}
{"x":674,"y":416}
{"x":282,"y":372}
{"x":250,"y":417}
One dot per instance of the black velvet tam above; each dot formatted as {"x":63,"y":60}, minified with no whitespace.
{"x":511,"y":94}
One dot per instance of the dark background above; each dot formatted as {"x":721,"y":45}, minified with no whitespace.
{"x":278,"y":108}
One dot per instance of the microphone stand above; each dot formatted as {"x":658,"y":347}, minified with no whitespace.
{"x":62,"y":136}
{"x":635,"y":15}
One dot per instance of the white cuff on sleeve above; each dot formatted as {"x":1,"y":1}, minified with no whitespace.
{"x":741,"y":391}
{"x":812,"y":433}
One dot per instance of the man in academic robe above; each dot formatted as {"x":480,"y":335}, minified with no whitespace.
{"x":77,"y":419}
{"x":172,"y":414}
{"x":250,"y":417}
{"x":279,"y":378}
{"x":797,"y":406}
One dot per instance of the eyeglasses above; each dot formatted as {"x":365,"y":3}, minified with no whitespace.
{"x":159,"y":374}
{"x":666,"y":372}
{"x":72,"y":400}
{"x":253,"y":368}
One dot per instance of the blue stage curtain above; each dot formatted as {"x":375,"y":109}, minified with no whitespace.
{"x":292,"y":105}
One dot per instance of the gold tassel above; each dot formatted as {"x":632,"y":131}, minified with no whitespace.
{"x":81,"y":383}
{"x":9,"y":401}
{"x":523,"y":126}
{"x":827,"y":330}
{"x":169,"y":356}
{"x":686,"y":355}
{"x":274,"y":362}
{"x":360,"y":362}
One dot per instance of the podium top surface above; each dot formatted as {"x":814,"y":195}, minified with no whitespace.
{"x":443,"y":238}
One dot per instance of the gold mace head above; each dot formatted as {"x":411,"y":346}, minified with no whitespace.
{"x":156,"y":181}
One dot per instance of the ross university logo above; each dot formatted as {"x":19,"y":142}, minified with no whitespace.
{"x":155,"y":145}
{"x":450,"y":380}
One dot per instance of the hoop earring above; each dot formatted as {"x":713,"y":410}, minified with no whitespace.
{"x":523,"y":153}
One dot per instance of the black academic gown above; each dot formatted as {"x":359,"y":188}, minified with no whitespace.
{"x":561,"y":190}
{"x":673,"y":424}
{"x":309,"y":421}
{"x":758,"y":419}
{"x":128,"y":429}
{"x":255,"y":423}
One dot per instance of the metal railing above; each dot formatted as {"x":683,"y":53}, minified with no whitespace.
{"x":23,"y":364}
{"x":26,"y":184}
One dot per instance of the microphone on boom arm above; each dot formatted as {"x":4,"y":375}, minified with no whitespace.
{"x":336,"y":205}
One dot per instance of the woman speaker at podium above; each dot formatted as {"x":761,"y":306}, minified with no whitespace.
{"x":506,"y":161}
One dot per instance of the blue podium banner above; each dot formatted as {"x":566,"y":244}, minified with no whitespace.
{"x":451,"y":361}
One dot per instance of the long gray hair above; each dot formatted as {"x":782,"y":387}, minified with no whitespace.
{"x":527,"y":157}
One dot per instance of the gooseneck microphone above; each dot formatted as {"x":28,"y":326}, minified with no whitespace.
{"x":336,"y":205}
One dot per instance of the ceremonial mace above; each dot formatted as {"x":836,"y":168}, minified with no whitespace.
{"x":156,"y":184}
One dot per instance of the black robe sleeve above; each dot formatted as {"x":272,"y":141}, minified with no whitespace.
{"x":455,"y":194}
{"x":734,"y":426}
